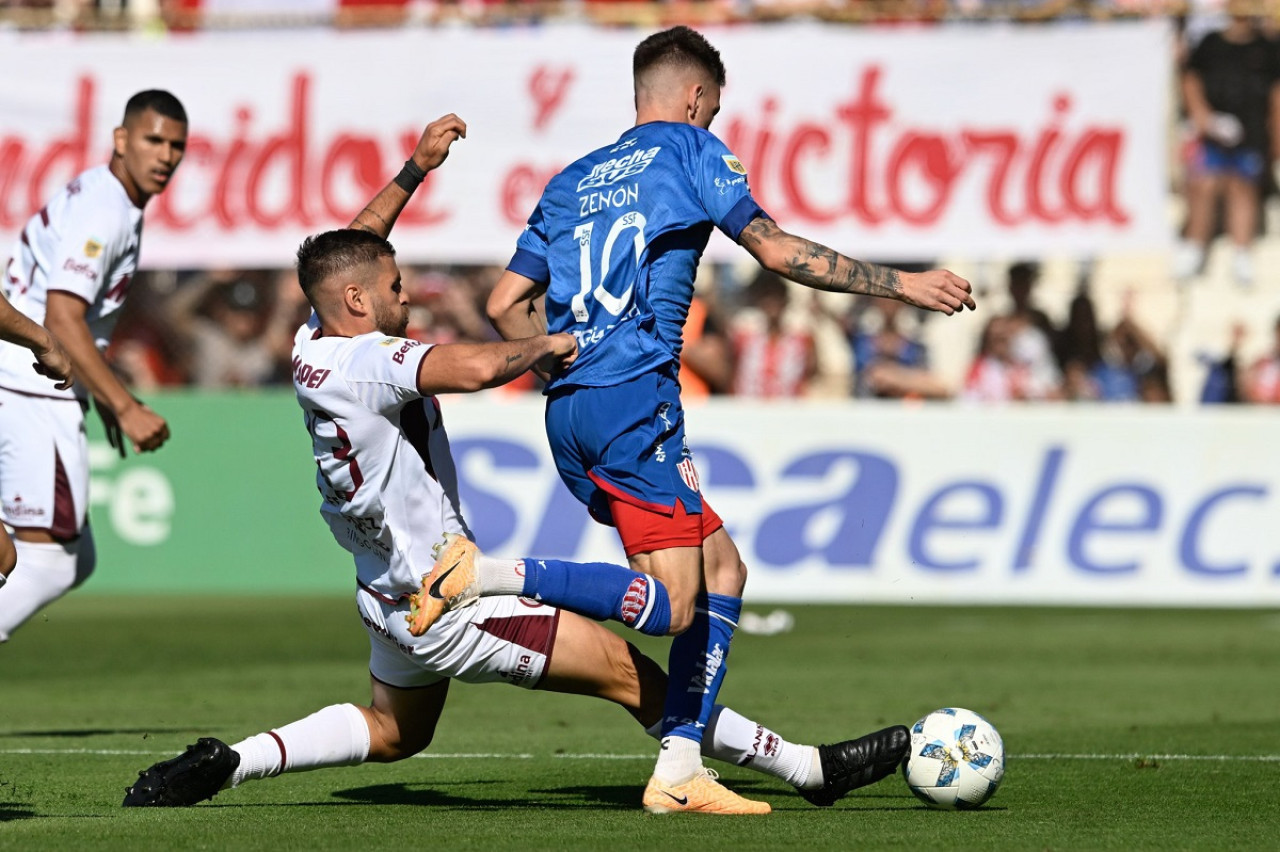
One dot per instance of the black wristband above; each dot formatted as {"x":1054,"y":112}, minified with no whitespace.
{"x":410,"y":176}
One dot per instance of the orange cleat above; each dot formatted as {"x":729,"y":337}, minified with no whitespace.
{"x":452,"y":583}
{"x":702,"y":794}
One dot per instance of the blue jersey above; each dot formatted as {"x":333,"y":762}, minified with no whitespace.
{"x":616,"y":238}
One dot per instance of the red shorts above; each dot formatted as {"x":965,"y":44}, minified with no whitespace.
{"x":644,"y":530}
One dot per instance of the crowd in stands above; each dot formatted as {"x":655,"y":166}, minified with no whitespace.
{"x":758,"y":338}
{"x":754,"y":335}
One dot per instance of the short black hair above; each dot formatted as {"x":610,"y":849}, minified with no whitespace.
{"x":680,"y":46}
{"x":157,"y":100}
{"x":322,"y":256}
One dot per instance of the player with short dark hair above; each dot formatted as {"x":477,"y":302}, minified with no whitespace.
{"x":388,"y":487}
{"x":70,"y":272}
{"x":614,"y":245}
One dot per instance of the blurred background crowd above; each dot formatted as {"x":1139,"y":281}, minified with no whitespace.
{"x":1198,"y":324}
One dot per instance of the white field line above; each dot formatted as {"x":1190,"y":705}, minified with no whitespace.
{"x":1221,"y":758}
{"x":1255,"y":759}
{"x":1215,"y":758}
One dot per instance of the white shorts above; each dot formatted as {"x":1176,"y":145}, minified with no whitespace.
{"x":44,"y":464}
{"x":501,"y":638}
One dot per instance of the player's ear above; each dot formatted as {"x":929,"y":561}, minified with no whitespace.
{"x":119,"y":137}
{"x":695,"y":104}
{"x":355,"y":298}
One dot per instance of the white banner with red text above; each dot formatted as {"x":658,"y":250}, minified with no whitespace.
{"x":890,"y":144}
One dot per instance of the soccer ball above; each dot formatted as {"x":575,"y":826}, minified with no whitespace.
{"x":956,"y":759}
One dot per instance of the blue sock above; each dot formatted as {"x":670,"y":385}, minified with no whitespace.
{"x":600,"y":590}
{"x":697,"y":664}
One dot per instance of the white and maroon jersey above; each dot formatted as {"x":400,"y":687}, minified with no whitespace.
{"x":85,"y":241}
{"x":385,"y":473}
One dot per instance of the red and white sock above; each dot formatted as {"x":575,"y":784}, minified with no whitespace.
{"x":335,"y":736}
{"x":733,"y":738}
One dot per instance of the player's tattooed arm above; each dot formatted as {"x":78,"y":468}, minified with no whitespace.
{"x":468,"y":367}
{"x":814,"y":265}
{"x":380,"y":214}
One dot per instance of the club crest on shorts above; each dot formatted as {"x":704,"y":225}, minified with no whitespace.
{"x":688,"y":473}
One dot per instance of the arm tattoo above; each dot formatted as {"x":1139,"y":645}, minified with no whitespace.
{"x":357,"y":225}
{"x":814,"y":265}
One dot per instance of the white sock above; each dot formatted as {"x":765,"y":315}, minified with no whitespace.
{"x":679,"y":760}
{"x":732,"y":738}
{"x":500,"y":576}
{"x":338,"y":735}
{"x":44,"y":573}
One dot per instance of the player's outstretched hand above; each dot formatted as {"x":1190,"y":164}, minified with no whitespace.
{"x":54,"y":363}
{"x":145,"y":429}
{"x":433,"y":147}
{"x":937,"y":290}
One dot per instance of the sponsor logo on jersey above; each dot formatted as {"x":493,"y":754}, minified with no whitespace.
{"x":405,"y":346}
{"x":688,"y":474}
{"x":725,"y":184}
{"x":15,"y":508}
{"x":82,"y":269}
{"x":523,"y":670}
{"x":382,"y":631}
{"x":92,"y":248}
{"x":618,"y":168}
{"x":734,"y":164}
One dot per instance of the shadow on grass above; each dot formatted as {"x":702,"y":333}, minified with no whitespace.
{"x":566,"y":798}
{"x":7,"y":813}
{"x":95,"y":732}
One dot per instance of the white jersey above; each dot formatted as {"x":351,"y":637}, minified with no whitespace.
{"x":85,"y":241}
{"x":385,"y":472}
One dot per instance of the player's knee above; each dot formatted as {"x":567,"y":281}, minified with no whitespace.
{"x":681,"y":615}
{"x":391,"y":739}
{"x":727,"y":577}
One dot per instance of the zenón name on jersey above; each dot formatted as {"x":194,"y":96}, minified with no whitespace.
{"x":617,"y":236}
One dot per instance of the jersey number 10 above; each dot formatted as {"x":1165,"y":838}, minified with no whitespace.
{"x":611,"y":303}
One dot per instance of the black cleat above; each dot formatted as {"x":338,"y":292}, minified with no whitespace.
{"x":856,"y":763}
{"x":193,"y":776}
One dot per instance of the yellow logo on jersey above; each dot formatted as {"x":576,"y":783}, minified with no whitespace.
{"x":734,"y":164}
{"x":92,"y":248}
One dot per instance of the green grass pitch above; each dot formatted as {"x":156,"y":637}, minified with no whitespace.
{"x":1144,"y":729}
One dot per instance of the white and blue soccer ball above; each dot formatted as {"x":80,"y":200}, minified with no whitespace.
{"x":956,"y":760}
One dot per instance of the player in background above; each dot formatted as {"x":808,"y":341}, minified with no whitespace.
{"x":51,"y":362}
{"x":614,"y":245}
{"x":70,"y":272}
{"x":388,"y":487}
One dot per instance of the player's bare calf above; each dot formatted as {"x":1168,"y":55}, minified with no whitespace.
{"x":452,"y":584}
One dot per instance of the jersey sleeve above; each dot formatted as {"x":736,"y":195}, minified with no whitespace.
{"x":383,"y":371}
{"x":720,"y":180}
{"x":530,"y":259}
{"x":88,"y":243}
